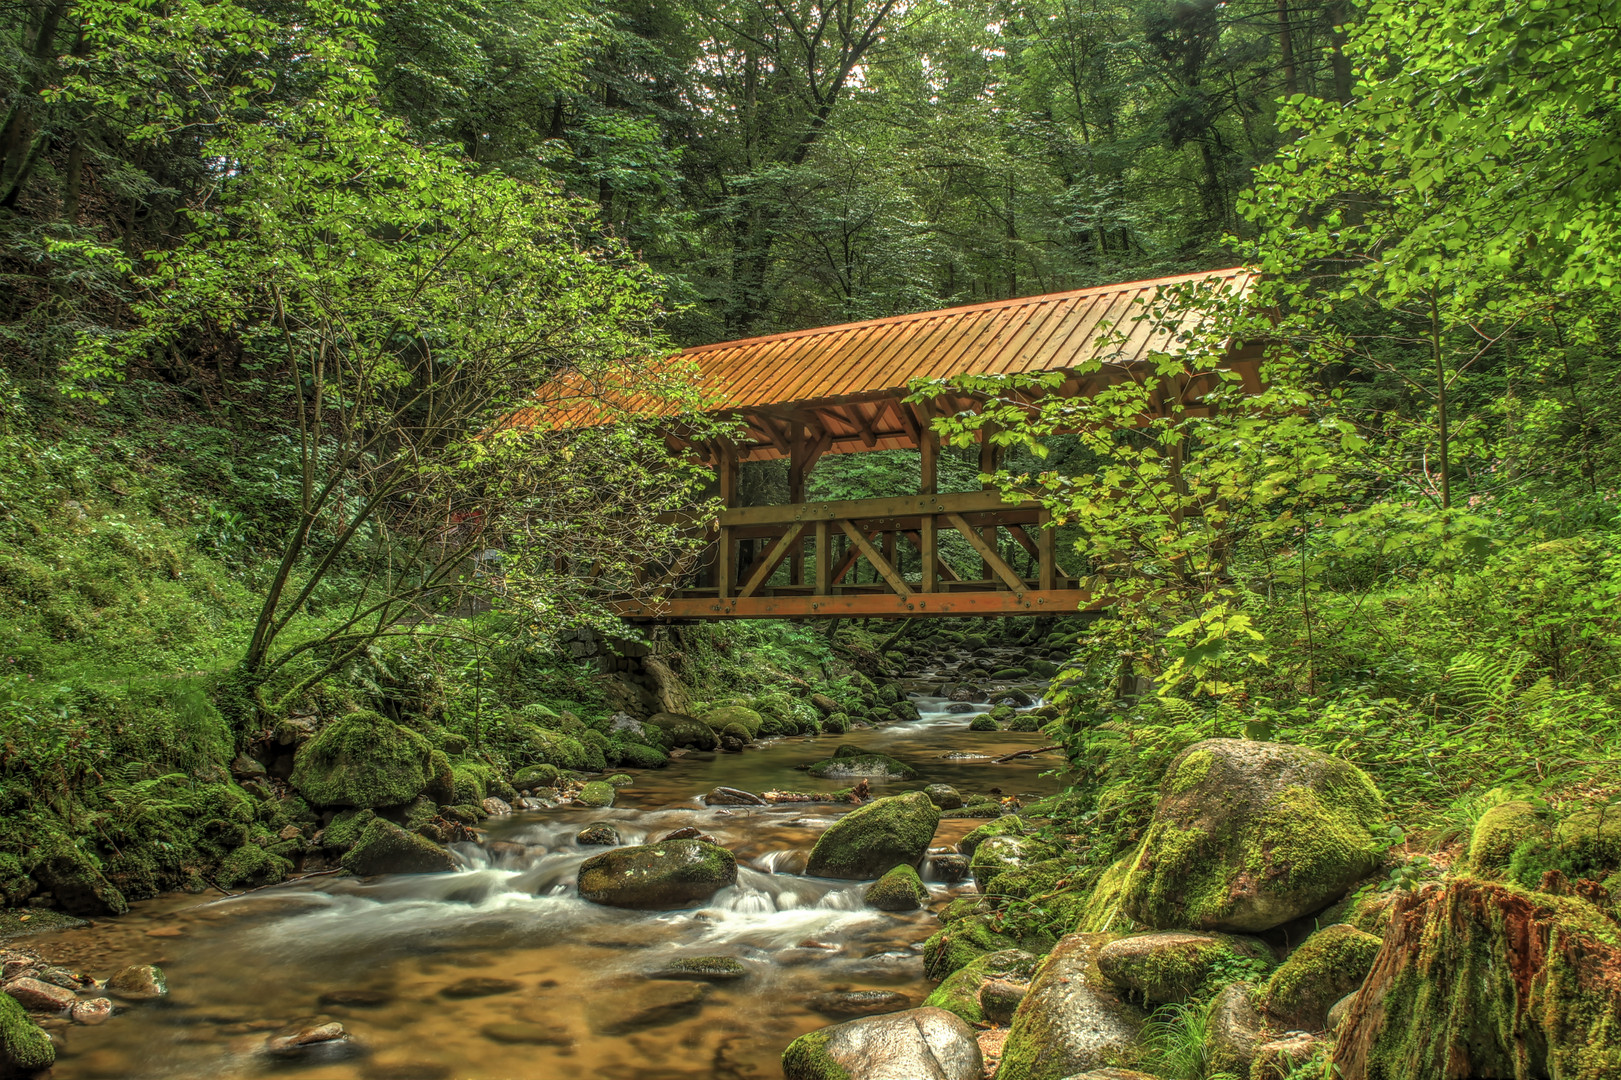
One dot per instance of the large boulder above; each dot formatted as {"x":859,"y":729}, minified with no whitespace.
{"x":363,"y":760}
{"x":1499,"y":831}
{"x":1250,"y":835}
{"x":77,"y":883}
{"x":724,"y":717}
{"x":1481,"y":979}
{"x":871,"y":839}
{"x":1234,"y":1031}
{"x":669,"y":874}
{"x":964,"y":992}
{"x":1175,"y":965}
{"x":1072,"y":1020}
{"x":899,"y":890}
{"x":1327,"y":966}
{"x":385,"y":848}
{"x":681,"y":730}
{"x":24,"y":1048}
{"x":918,"y":1044}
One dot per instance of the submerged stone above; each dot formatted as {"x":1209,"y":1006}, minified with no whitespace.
{"x":672,"y":873}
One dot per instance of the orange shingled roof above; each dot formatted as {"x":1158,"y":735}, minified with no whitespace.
{"x":880,"y":357}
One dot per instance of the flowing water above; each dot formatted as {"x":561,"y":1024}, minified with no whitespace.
{"x":501,"y":971}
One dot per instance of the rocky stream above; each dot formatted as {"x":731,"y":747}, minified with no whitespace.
{"x":500,"y":968}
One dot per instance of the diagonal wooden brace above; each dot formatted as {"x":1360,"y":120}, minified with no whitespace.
{"x":988,"y":553}
{"x":879,"y":563}
{"x":772,"y":559}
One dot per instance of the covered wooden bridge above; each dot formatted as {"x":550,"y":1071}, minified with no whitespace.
{"x":843,"y":389}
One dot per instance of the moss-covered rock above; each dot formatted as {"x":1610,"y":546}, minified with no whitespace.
{"x":597,"y":834}
{"x":899,"y":890}
{"x":944,"y":796}
{"x":1234,"y":1031}
{"x":535,"y":777}
{"x":1249,"y":835}
{"x":672,"y":873}
{"x":1101,"y":912}
{"x":638,"y":756}
{"x":24,"y":1047}
{"x":1175,"y":965}
{"x":727,"y":715}
{"x":1072,"y":1020}
{"x":1328,"y":965}
{"x":1025,"y":722}
{"x":866,"y":842}
{"x":961,"y":942}
{"x":251,"y":866}
{"x":917,"y":1044}
{"x":869,"y":766}
{"x":984,"y":722}
{"x":995,"y":856}
{"x":345,"y":828}
{"x":960,"y":992}
{"x":685,"y":731}
{"x":836,"y":724}
{"x":362,"y":760}
{"x":76,"y":882}
{"x":1005,"y":825}
{"x":597,"y":793}
{"x":1499,"y":831}
{"x":385,"y":848}
{"x":1479,"y":978}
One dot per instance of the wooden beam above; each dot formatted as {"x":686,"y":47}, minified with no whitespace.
{"x":879,"y":563}
{"x":771,"y":559}
{"x":845,"y":564}
{"x":859,"y":421}
{"x":928,"y":549}
{"x":862,"y":605}
{"x":1018,"y":533}
{"x":1047,"y":560}
{"x":987,"y":554}
{"x":961,"y":502}
{"x":908,"y":422}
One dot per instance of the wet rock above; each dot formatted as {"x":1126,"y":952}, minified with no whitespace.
{"x":999,"y":998}
{"x":24,"y":1048}
{"x":243,"y":767}
{"x":535,"y":777}
{"x":1327,"y":966}
{"x":622,"y":780}
{"x":948,"y":867}
{"x":703,"y":968}
{"x":688,"y":832}
{"x":356,"y":999}
{"x":1072,"y":1019}
{"x":327,"y":1039}
{"x":963,"y":992}
{"x":871,"y":839}
{"x":898,"y":890}
{"x":727,"y":715}
{"x":918,"y":1044}
{"x":385,"y":848}
{"x":496,"y":807}
{"x":61,"y":976}
{"x":684,"y":731}
{"x":23,"y":922}
{"x":41,"y":997}
{"x":598,"y":834}
{"x":984,"y":722}
{"x":627,"y":727}
{"x":669,"y":874}
{"x":598,"y":794}
{"x":848,"y":1003}
{"x":363,"y":760}
{"x":91,"y":1012}
{"x":731,"y":744}
{"x":824,"y":704}
{"x":1174,"y":965}
{"x":944,"y":796}
{"x":519,"y":1033}
{"x":1337,"y":1011}
{"x":1234,"y":1031}
{"x":1250,"y":835}
{"x":959,"y":708}
{"x":964,"y":694}
{"x":647,"y":1005}
{"x":730,"y":796}
{"x":138,"y":982}
{"x":851,"y":766}
{"x":77,"y":884}
{"x":480,"y":986}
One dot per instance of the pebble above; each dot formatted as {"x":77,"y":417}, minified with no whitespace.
{"x":92,"y":1012}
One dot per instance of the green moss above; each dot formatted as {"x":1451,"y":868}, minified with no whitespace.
{"x":15,"y":884}
{"x":23,"y":1046}
{"x":345,"y":828}
{"x":836,"y":724}
{"x":637,"y":756}
{"x":1499,"y":831}
{"x":1194,"y":768}
{"x":1328,"y":965}
{"x":872,"y":838}
{"x":898,"y":890}
{"x":1025,"y":722}
{"x":1101,"y":911}
{"x":251,"y":866}
{"x":531,"y":777}
{"x":807,"y":1059}
{"x":984,"y":722}
{"x":1010,"y":824}
{"x":362,"y":760}
{"x":470,"y":787}
{"x":880,"y":766}
{"x":385,"y":848}
{"x":725,"y":716}
{"x":598,"y":793}
{"x":959,"y":993}
{"x":960,"y":943}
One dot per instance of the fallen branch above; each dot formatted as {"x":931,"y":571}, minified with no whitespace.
{"x":1026,"y":753}
{"x":301,"y":877}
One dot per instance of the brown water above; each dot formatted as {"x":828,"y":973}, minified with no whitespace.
{"x":378,"y":955}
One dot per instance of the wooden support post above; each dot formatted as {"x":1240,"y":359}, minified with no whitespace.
{"x":796,"y":494}
{"x":824,"y":558}
{"x":768,"y":562}
{"x":726,"y":554}
{"x":929,"y":551}
{"x":990,"y":459}
{"x":889,"y":550}
{"x":929,"y":448}
{"x":1047,"y":544}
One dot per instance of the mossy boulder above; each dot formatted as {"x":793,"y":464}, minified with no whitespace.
{"x":962,"y":941}
{"x":669,"y":874}
{"x":345,"y":828}
{"x":24,"y":1047}
{"x":1499,"y":831}
{"x":76,"y":882}
{"x":638,"y":756}
{"x":944,"y":796}
{"x":685,"y":731}
{"x":915,"y":1044}
{"x":1006,"y":825}
{"x":1249,"y":835}
{"x":724,"y":717}
{"x":1479,"y":978}
{"x":868,"y":841}
{"x":1175,"y":965}
{"x":836,"y":724}
{"x":1072,"y":1020}
{"x":899,"y":890}
{"x":596,"y":793}
{"x":385,"y":848}
{"x":363,"y":760}
{"x":597,"y":834}
{"x":1328,"y":965}
{"x":960,"y":992}
{"x":1234,"y":1031}
{"x":535,"y":777}
{"x":867,"y":766}
{"x":250,"y":867}
{"x":984,"y":722}
{"x":995,"y":856}
{"x":1101,"y":910}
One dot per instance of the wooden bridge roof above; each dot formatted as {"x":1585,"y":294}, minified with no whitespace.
{"x":849,"y":382}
